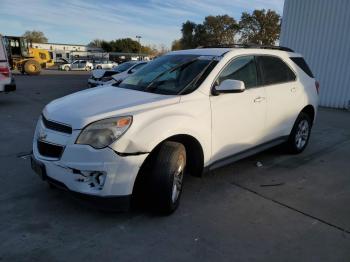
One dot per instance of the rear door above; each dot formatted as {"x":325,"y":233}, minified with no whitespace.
{"x":282,"y":93}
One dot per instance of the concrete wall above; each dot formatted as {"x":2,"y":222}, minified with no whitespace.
{"x":320,"y":30}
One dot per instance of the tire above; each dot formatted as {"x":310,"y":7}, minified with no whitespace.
{"x":32,"y":67}
{"x":66,"y":68}
{"x":99,"y":67}
{"x":166,"y":179}
{"x":300,"y":134}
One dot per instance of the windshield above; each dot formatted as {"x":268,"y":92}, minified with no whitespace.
{"x":169,"y":74}
{"x":123,"y":67}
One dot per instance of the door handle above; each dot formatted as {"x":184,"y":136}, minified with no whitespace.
{"x":259,"y":99}
{"x":293,"y":89}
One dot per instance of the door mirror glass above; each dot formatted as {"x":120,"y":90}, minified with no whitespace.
{"x":230,"y":86}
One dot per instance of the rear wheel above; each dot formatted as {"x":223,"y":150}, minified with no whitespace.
{"x":99,"y":67}
{"x":300,"y":135}
{"x":167,"y":177}
{"x":32,"y":67}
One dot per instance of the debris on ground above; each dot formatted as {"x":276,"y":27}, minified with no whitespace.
{"x":259,"y":164}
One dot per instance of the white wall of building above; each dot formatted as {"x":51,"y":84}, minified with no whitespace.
{"x":320,"y":30}
{"x":63,"y":50}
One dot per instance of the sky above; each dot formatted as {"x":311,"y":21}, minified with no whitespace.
{"x":80,"y":21}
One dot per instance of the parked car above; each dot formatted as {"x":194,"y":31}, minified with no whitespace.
{"x":184,"y":113}
{"x":78,"y":65}
{"x":120,"y":72}
{"x":7,"y":82}
{"x":105,"y":64}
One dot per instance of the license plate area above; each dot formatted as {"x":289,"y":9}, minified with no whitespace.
{"x":38,"y":167}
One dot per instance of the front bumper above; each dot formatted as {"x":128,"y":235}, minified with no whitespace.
{"x":75,"y":168}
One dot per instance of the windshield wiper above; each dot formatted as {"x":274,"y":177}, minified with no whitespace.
{"x":151,"y":85}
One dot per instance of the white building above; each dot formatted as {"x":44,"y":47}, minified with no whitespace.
{"x":320,"y":30}
{"x":64,"y":50}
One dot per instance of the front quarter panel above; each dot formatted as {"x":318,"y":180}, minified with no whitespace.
{"x":191,"y":116}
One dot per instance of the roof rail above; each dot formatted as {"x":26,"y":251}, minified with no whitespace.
{"x":282,"y":48}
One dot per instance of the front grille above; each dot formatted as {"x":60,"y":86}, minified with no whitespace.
{"x":56,"y":126}
{"x":49,"y":150}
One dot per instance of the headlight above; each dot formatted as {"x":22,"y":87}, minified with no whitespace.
{"x":104,"y":132}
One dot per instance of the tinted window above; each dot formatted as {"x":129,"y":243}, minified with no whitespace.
{"x":169,"y":74}
{"x":243,"y":69}
{"x":274,"y":70}
{"x":303,"y":65}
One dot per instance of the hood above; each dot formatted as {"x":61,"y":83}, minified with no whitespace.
{"x":84,"y":107}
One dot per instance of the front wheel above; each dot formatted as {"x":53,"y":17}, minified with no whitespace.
{"x":66,"y":68}
{"x":167,"y":177}
{"x":300,"y":135}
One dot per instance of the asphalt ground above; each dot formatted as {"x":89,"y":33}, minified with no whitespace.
{"x":285,"y":208}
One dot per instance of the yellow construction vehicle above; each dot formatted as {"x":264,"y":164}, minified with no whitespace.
{"x":25,"y":58}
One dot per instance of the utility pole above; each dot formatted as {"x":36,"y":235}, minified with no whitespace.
{"x":139,"y":39}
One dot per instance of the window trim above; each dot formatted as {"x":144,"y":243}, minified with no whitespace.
{"x":259,"y":73}
{"x":280,"y":83}
{"x":228,"y":62}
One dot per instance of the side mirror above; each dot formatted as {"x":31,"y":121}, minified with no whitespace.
{"x":131,"y":71}
{"x":229,"y":86}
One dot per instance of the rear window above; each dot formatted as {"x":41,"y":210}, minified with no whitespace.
{"x":303,"y":65}
{"x":274,"y":70}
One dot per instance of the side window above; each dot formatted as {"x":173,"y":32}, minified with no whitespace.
{"x":274,"y":70}
{"x":243,"y":69}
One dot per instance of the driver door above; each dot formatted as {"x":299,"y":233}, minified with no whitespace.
{"x":238,"y":119}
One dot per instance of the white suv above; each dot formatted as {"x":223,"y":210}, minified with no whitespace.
{"x":183,"y":113}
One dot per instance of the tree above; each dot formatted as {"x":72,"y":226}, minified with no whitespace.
{"x":126,"y":45}
{"x":149,"y":50}
{"x":176,"y":45}
{"x":95,"y":43}
{"x":260,"y":27}
{"x":106,"y":46}
{"x":35,"y":36}
{"x":187,"y":40}
{"x":218,"y":30}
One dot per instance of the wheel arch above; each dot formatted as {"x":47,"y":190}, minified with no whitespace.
{"x":194,"y":162}
{"x":310,"y":111}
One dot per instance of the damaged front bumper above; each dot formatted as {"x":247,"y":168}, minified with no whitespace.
{"x":96,"y":174}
